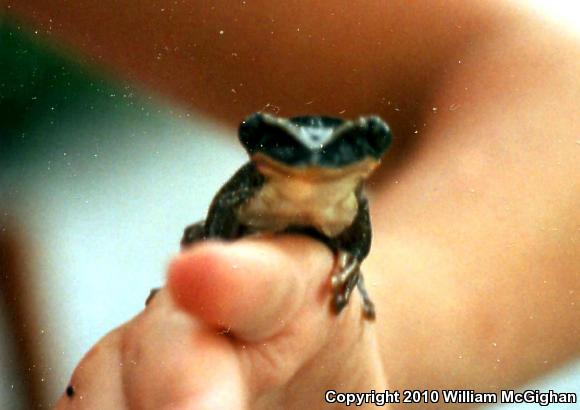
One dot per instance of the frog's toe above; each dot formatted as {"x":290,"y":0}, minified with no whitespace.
{"x":339,"y":302}
{"x":368,"y":309}
{"x":368,"y":305}
{"x":152,"y":294}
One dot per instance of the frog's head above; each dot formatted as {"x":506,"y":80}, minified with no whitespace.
{"x":315,"y":146}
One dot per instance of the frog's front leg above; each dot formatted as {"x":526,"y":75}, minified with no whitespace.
{"x":346,"y":276}
{"x":344,"y":279}
{"x":347,"y":268}
{"x":350,"y":248}
{"x":222,"y":220}
{"x":193,"y":233}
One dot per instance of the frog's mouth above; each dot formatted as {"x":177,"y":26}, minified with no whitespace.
{"x":269,"y":167}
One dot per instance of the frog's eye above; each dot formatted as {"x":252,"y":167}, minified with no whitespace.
{"x":378,"y":135}
{"x":367,"y":137}
{"x":249,"y":131}
{"x":259,"y":133}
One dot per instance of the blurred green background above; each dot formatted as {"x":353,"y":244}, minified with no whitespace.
{"x":38,"y":83}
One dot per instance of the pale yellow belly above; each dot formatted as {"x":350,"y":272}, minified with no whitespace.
{"x":328,"y":208}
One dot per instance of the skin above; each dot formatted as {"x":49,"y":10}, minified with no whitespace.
{"x":260,"y":349}
{"x":475,"y":264}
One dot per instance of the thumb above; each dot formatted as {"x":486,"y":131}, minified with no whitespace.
{"x":253,"y":286}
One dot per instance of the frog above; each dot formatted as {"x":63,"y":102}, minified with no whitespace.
{"x":305,"y":175}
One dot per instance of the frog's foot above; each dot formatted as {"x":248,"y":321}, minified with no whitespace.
{"x":346,"y":266}
{"x":368,"y":305}
{"x":193,"y":233}
{"x":152,"y":294}
{"x":344,"y":279}
{"x":348,"y":275}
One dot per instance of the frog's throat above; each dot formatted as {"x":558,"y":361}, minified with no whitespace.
{"x":269,"y":167}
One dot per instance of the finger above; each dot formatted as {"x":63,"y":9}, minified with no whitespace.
{"x":253,"y":286}
{"x":96,"y":383}
{"x":172,"y":361}
{"x":161,"y":359}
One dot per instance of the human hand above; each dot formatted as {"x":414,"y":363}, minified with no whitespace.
{"x":239,"y":325}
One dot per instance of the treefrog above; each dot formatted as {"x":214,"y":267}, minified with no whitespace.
{"x":305,"y":175}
